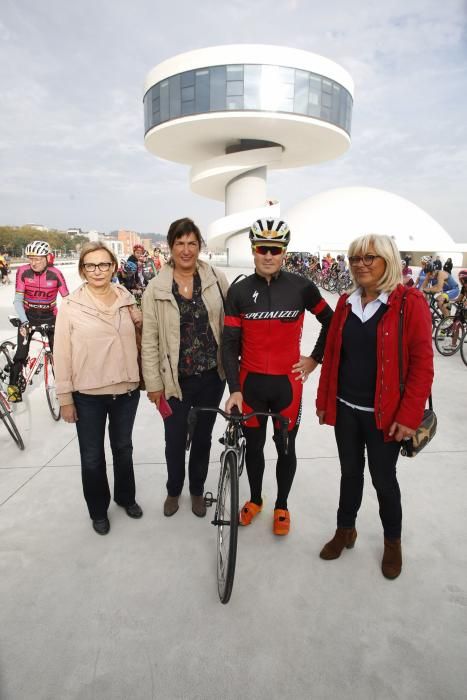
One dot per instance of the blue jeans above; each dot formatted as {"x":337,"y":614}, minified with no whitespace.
{"x":92,"y":418}
{"x":199,"y":390}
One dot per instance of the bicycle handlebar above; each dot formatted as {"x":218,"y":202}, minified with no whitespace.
{"x":16,"y":322}
{"x":235,"y":417}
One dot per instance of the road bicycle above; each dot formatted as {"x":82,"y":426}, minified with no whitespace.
{"x":40,"y":359}
{"x":344,"y":282}
{"x":436,"y":313}
{"x":226,"y":515}
{"x":449,"y":335}
{"x":6,"y":411}
{"x":464,"y":349}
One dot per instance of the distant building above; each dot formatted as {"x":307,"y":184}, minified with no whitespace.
{"x":148,"y":244}
{"x":74,"y":232}
{"x":328,"y":221}
{"x":129,"y":239}
{"x":115,"y":246}
{"x":234,"y":112}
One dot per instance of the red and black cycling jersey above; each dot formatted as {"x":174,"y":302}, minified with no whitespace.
{"x":38,"y":292}
{"x":263,"y":324}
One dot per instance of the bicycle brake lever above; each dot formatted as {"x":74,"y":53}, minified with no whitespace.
{"x":191,"y":424}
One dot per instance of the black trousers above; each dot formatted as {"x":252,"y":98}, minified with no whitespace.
{"x":22,"y":349}
{"x":93,"y":412}
{"x":204,"y":389}
{"x":355,"y":430}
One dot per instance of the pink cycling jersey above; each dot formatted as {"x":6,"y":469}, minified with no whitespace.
{"x":39,"y":291}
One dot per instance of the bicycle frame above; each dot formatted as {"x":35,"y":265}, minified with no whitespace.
{"x":34,"y":364}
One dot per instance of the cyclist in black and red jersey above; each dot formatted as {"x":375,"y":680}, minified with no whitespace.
{"x":37,"y":286}
{"x":263,"y":326}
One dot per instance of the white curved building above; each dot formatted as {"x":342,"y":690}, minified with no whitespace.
{"x":330,"y":220}
{"x":232,"y":112}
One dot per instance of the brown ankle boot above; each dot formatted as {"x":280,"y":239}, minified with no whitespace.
{"x":344,"y":537}
{"x":198,"y":505}
{"x":391,"y":565}
{"x":170,"y":506}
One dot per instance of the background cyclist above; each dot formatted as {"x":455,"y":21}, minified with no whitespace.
{"x":263,"y":324}
{"x":37,"y":286}
{"x":421,"y":275}
{"x":442,"y":285}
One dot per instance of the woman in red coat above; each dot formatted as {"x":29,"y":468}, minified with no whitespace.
{"x":358,"y":391}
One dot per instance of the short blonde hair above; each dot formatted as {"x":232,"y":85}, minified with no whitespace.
{"x":384,"y":246}
{"x":91,"y":247}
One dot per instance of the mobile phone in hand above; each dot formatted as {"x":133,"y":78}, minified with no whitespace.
{"x":164,"y":407}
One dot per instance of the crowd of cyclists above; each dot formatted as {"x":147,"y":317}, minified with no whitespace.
{"x":139,"y":269}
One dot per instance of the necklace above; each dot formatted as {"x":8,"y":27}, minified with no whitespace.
{"x":184,"y":282}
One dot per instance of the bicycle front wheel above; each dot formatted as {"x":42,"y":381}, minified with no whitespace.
{"x":448,"y":336}
{"x":7,"y":418}
{"x":227,"y":526}
{"x":464,"y":348}
{"x":50,"y":390}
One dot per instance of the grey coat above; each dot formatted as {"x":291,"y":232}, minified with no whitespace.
{"x":161,"y":326}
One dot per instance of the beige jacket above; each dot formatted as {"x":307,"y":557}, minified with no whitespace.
{"x":95,"y":350}
{"x":161,"y":326}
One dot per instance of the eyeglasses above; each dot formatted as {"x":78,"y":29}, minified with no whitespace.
{"x":273,"y":249}
{"x":103,"y":266}
{"x":367,"y":259}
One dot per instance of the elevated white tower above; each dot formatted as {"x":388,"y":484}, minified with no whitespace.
{"x":232,"y":112}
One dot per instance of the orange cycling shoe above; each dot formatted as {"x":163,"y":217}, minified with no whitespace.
{"x":281,"y":524}
{"x":248,"y":512}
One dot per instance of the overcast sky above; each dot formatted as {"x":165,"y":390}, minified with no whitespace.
{"x":71,"y":114}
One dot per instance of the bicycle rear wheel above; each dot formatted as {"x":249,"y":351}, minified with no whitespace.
{"x":50,"y":390}
{"x":7,"y":418}
{"x":227,"y":526}
{"x":448,"y":336}
{"x":7,"y":350}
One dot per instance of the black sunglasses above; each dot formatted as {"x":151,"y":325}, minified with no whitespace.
{"x":273,"y":249}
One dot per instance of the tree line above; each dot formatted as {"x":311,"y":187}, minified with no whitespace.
{"x":14,"y":239}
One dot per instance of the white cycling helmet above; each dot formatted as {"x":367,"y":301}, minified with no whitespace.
{"x":37,"y":248}
{"x":425,"y":258}
{"x":270,"y":231}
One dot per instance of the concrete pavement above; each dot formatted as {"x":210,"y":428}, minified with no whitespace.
{"x":135,"y":615}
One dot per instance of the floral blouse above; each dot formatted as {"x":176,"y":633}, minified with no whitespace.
{"x":198,"y":347}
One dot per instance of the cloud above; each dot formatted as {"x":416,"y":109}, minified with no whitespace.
{"x":71,"y":82}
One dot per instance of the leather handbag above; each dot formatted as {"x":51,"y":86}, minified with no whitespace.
{"x":427,"y":428}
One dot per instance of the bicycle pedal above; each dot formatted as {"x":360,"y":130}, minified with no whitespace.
{"x":209,"y":499}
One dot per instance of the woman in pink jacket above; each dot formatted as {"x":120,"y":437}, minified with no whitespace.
{"x":359,"y":394}
{"x":97,"y":375}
